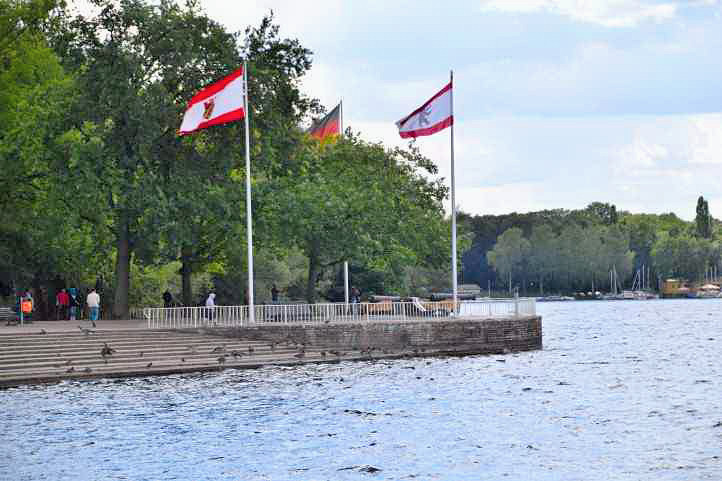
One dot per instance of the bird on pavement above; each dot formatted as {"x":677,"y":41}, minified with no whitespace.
{"x":106,"y":350}
{"x":221,"y":359}
{"x":300,"y":354}
{"x":217,"y":349}
{"x":149,"y":364}
{"x":88,"y":370}
{"x":43,"y":331}
{"x":93,"y":323}
{"x":72,"y":369}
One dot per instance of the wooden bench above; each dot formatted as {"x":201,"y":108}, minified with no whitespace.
{"x":9,"y":315}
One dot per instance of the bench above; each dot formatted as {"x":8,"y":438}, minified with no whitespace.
{"x":9,"y":315}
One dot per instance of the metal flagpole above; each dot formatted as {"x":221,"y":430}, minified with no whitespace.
{"x":453,"y":198}
{"x":249,"y":229}
{"x":345,"y":264}
{"x":345,"y":281}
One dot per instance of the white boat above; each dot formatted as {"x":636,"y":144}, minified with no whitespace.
{"x":707,"y":291}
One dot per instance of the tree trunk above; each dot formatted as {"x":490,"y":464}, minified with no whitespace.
{"x":122,"y":272}
{"x":186,"y":273}
{"x":314,"y":265}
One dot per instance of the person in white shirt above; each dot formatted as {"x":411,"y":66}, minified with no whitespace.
{"x":210,"y":306}
{"x":93,"y":302}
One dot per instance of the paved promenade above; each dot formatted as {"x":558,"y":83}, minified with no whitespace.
{"x":69,"y":326}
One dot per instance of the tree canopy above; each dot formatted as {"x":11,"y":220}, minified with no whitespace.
{"x":100,"y":191}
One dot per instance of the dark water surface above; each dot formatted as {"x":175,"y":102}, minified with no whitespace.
{"x":622,"y":390}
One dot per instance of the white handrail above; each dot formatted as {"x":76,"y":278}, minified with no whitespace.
{"x":336,"y":313}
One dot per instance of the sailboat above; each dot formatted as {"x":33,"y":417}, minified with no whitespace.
{"x":640,"y":290}
{"x":614,"y":290}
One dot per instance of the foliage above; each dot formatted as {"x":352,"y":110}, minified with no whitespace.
{"x":703,"y":221}
{"x":352,"y":200}
{"x":510,"y":253}
{"x":135,"y":64}
{"x":685,"y":256}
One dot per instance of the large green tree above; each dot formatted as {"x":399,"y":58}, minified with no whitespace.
{"x":41,"y":237}
{"x":358,"y":201}
{"x":136,"y":64}
{"x":206,"y":186}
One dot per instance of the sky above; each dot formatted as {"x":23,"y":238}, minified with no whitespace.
{"x":557,"y":103}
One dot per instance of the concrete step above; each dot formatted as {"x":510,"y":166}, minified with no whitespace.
{"x":172,"y":363}
{"x":115,"y":343}
{"x":20,"y":362}
{"x":35,"y":357}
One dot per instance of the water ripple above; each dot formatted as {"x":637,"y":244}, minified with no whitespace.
{"x":622,"y":391}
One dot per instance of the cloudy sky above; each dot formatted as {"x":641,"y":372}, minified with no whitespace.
{"x":558,"y":103}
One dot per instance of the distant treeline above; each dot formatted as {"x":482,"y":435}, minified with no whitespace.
{"x":566,"y":250}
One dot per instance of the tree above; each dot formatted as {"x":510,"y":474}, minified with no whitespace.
{"x":41,"y":238}
{"x":703,"y":221}
{"x":684,"y":256}
{"x":604,"y":212}
{"x":542,"y":257}
{"x":206,"y":207}
{"x":136,"y":64}
{"x":357,"y":201}
{"x":509,"y":253}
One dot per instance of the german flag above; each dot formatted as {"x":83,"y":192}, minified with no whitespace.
{"x":327,"y":126}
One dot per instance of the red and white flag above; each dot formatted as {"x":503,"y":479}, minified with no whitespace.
{"x":435,"y":115}
{"x":219,"y":103}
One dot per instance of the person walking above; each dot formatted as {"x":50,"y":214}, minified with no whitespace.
{"x":62,"y":302}
{"x":167,"y":299}
{"x":74,"y":303}
{"x":210,"y":305}
{"x":93,"y":302}
{"x":274,"y":294}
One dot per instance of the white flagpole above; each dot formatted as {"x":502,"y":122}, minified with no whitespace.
{"x":345,"y":264}
{"x":249,"y":229}
{"x":453,"y":199}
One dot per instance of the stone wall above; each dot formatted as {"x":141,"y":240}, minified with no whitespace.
{"x":462,"y":336}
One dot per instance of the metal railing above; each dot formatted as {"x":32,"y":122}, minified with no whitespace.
{"x":309,"y":314}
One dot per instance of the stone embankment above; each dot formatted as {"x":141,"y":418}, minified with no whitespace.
{"x":36,"y":355}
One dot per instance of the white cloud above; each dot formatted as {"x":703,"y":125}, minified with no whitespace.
{"x":706,"y":140}
{"x":503,"y":199}
{"x":640,"y":154}
{"x":608,"y":13}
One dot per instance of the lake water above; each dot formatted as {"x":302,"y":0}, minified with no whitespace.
{"x":622,"y":391}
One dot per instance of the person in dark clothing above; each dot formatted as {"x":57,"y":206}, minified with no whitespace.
{"x":274,"y":293}
{"x":167,"y":299}
{"x":75,"y":303}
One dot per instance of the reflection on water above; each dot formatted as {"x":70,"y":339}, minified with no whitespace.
{"x":622,"y":390}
